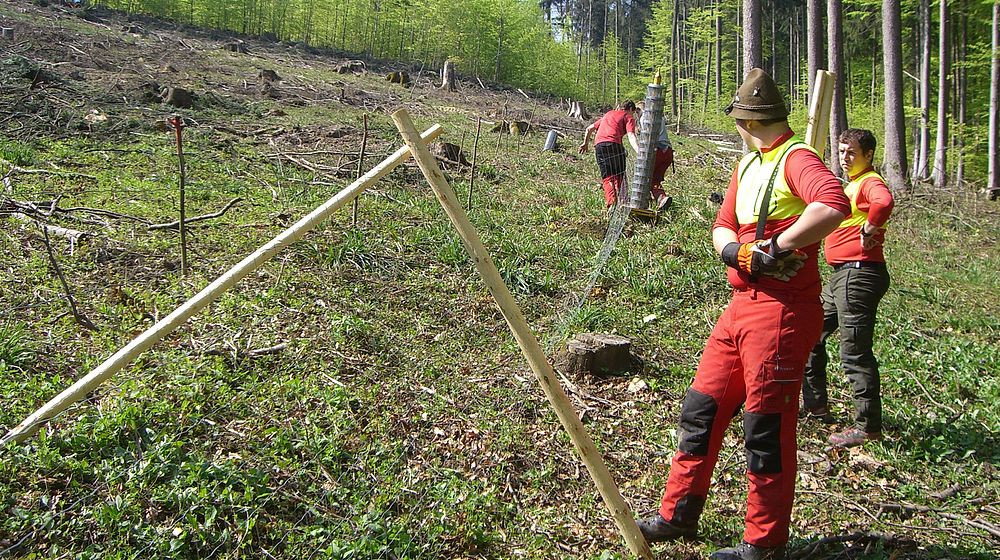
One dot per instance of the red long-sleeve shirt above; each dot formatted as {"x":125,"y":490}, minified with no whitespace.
{"x":844,"y":244}
{"x":809,"y":179}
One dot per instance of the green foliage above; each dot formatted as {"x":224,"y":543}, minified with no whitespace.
{"x":400,"y":419}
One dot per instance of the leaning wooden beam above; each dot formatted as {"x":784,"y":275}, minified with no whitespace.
{"x":620,"y":511}
{"x":818,"y":123}
{"x":210,"y":293}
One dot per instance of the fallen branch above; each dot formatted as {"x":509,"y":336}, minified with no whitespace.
{"x":176,"y":223}
{"x":102,"y":212}
{"x":72,"y":235}
{"x":80,"y":318}
{"x":239,"y":354}
{"x":910,"y":508}
{"x":59,"y":172}
{"x":811,"y":549}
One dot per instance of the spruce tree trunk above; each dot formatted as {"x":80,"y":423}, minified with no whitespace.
{"x":718,"y":52}
{"x":814,"y":43}
{"x":960,"y":94}
{"x":752,"y":57}
{"x":940,"y":173}
{"x":894,"y":155}
{"x":922,"y":167}
{"x":993,"y":167}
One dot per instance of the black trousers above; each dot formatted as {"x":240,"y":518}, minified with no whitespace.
{"x":850,"y":301}
{"x":610,"y":158}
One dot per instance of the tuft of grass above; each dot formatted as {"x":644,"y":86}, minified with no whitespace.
{"x":16,"y":153}
{"x":16,"y":350}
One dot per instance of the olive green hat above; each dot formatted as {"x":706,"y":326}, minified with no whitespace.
{"x":758,"y":99}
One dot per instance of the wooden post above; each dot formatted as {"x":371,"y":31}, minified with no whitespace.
{"x":207,"y":295}
{"x":818,"y":123}
{"x":475,"y":152}
{"x":178,"y":124}
{"x":361,"y":159}
{"x":532,"y":350}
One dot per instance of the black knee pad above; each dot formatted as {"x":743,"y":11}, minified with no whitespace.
{"x":762,"y":434}
{"x":697,"y":416}
{"x":688,"y":510}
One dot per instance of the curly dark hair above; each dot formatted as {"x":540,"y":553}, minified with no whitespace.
{"x":628,"y":105}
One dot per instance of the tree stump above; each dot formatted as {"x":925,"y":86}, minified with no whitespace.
{"x":178,"y":97}
{"x":576,"y":110}
{"x":236,"y":47}
{"x":596,"y":354}
{"x":7,"y":32}
{"x":268,"y":75}
{"x":401,"y":78}
{"x":448,"y":77}
{"x":350,"y":67}
{"x":449,"y":153}
{"x":519,"y":128}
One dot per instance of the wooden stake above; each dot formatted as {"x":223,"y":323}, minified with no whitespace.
{"x":475,"y":152}
{"x":503,"y":124}
{"x":207,"y":295}
{"x":178,"y":124}
{"x":818,"y":123}
{"x":532,"y":350}
{"x":361,"y":160}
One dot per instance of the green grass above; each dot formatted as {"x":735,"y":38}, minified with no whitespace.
{"x":401,"y":421}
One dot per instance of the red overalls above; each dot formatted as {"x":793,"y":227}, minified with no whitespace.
{"x":757,"y":351}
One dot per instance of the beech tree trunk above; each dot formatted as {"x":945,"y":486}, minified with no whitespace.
{"x":835,"y":63}
{"x":940,"y":173}
{"x":894,"y":154}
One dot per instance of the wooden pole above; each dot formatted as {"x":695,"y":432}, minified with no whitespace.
{"x":207,"y":295}
{"x":532,"y":350}
{"x":818,"y":123}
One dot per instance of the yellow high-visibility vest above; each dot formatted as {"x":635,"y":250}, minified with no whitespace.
{"x":857,"y":217}
{"x":756,"y":170}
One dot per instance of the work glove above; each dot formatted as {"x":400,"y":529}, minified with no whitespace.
{"x":763,"y":257}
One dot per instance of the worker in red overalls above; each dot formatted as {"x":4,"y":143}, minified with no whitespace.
{"x":781,"y":202}
{"x":851,"y":297}
{"x":611,"y":129}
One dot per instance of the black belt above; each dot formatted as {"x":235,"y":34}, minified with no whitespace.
{"x":859,"y":264}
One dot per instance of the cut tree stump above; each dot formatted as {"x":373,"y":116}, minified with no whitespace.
{"x":576,"y":110}
{"x":596,"y":354}
{"x":448,"y":77}
{"x":178,"y":97}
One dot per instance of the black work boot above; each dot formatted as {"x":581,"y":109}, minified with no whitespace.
{"x":658,"y":529}
{"x":747,"y":551}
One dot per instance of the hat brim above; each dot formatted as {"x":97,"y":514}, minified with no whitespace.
{"x":751,"y":115}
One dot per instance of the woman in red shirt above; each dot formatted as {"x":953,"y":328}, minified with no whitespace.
{"x":611,"y":128}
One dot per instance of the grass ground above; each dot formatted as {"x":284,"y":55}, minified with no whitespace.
{"x":400,"y":420}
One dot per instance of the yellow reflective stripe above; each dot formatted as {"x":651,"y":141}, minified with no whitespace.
{"x":755,"y":172}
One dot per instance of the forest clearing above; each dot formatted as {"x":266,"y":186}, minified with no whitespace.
{"x":360,"y":395}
